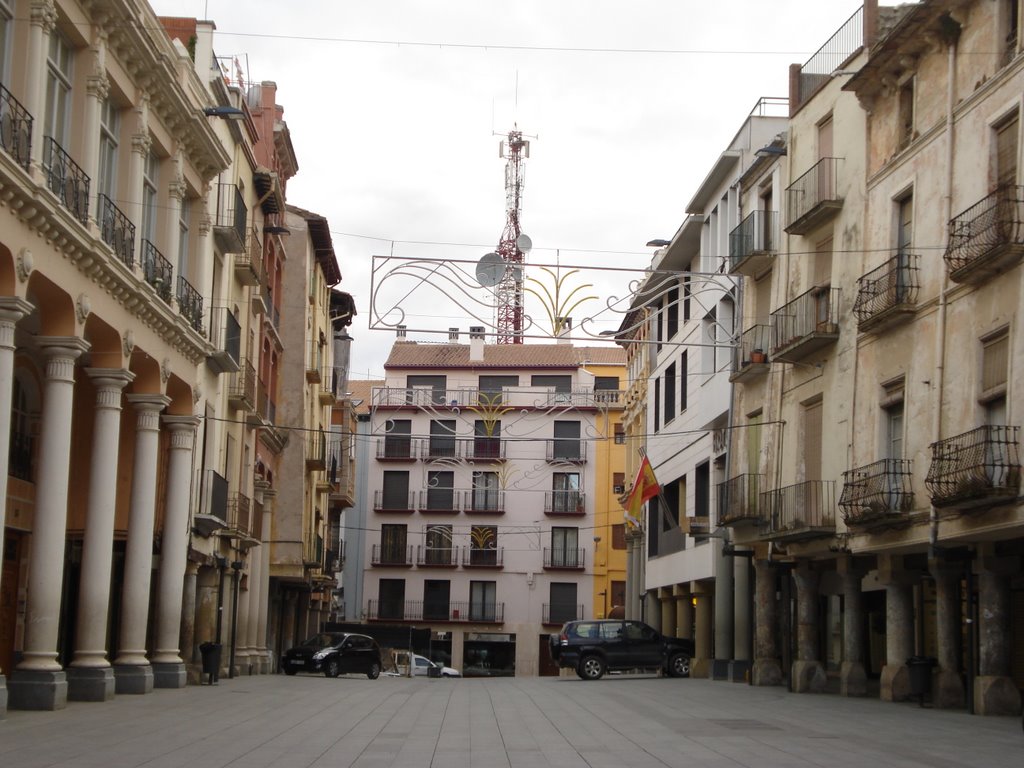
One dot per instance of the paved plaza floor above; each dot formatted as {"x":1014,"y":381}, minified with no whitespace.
{"x":641,"y":721}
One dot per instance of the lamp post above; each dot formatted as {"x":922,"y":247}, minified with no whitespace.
{"x":643,"y":605}
{"x":236,"y":566}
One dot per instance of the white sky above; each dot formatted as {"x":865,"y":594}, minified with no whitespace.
{"x":395,"y":143}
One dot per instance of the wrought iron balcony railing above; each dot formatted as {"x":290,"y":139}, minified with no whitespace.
{"x":803,"y":510}
{"x":249,"y":262}
{"x":314,"y":361}
{"x":877,"y":491}
{"x":391,"y":554}
{"x":157,"y":271}
{"x":484,"y":449}
{"x":435,"y":610}
{"x":750,"y":356}
{"x":481,"y":557}
{"x":977,"y":468}
{"x":739,"y":499}
{"x":484,"y":501}
{"x":988,"y":237}
{"x":242,"y":389}
{"x":887,"y":293}
{"x":753,"y":243}
{"x":230,"y":217}
{"x":66,"y":179}
{"x":565,"y":503}
{"x":439,"y":448}
{"x":813,"y":198}
{"x":116,"y":230}
{"x":808,"y":323}
{"x":396,"y":448}
{"x":559,"y":613}
{"x":437,"y":557}
{"x":439,"y":500}
{"x":316,"y":452}
{"x":561,"y":557}
{"x":570,"y":450}
{"x":239,"y":513}
{"x":226,"y":338}
{"x":15,"y":129}
{"x":391,"y":501}
{"x":190,"y":304}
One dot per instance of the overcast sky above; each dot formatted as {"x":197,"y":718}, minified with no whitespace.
{"x":395,"y":139}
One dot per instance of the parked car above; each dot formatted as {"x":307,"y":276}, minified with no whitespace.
{"x":421,"y":665}
{"x":334,"y":653}
{"x":594,"y":647}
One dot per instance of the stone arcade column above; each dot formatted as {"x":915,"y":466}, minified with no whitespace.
{"x":852,"y":676}
{"x":12,"y":309}
{"x":684,"y":612}
{"x":700,"y":665}
{"x":767,"y":666}
{"x":207,"y":584}
{"x":667,"y":605}
{"x":723,"y":612}
{"x":632,"y":588}
{"x":899,"y":625}
{"x":255,"y":558}
{"x":168,"y":667}
{"x":132,"y":672}
{"x":742,"y":641}
{"x":242,"y":651}
{"x":948,"y":687}
{"x":187,"y":644}
{"x":90,"y":677}
{"x":262,"y":626}
{"x":995,"y":692}
{"x":39,"y":682}
{"x":808,"y":674}
{"x":42,"y":22}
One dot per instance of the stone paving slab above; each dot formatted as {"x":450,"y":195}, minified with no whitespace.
{"x":622,"y":721}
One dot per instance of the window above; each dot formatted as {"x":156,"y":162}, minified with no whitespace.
{"x":1006,"y":151}
{"x":486,"y":496}
{"x":606,"y":389}
{"x":657,"y":404}
{"x":566,"y":445}
{"x":426,"y":390}
{"x":436,"y":600}
{"x":58,"y":89}
{"x":110,"y":128}
{"x":150,"y":180}
{"x":619,"y":538}
{"x":391,"y":599}
{"x":395,"y":495}
{"x":620,"y":434}
{"x":441,"y":491}
{"x":483,"y":545}
{"x":487,"y":439}
{"x":702,"y":490}
{"x":442,"y":439}
{"x":438,"y":540}
{"x":5,"y":39}
{"x":618,"y":483}
{"x":483,"y":600}
{"x":563,"y":606}
{"x":566,"y":496}
{"x":995,"y":358}
{"x":561,"y":384}
{"x":892,"y":420}
{"x":21,"y":435}
{"x":393,"y":546}
{"x":686,"y":295}
{"x":565,"y":552}
{"x":618,"y":594}
{"x":672,"y":316}
{"x":397,"y":440}
{"x":1011,"y":15}
{"x":670,"y":393}
{"x":183,"y":236}
{"x":492,"y":388}
{"x":683,"y":374}
{"x":905,"y":129}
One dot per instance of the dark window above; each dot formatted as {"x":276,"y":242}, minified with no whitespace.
{"x":491,"y":388}
{"x":702,"y":490}
{"x":620,"y":434}
{"x":686,"y":298}
{"x":436,"y":599}
{"x":440,"y":490}
{"x":393,"y":548}
{"x":391,"y":595}
{"x":563,"y":605}
{"x":442,"y":438}
{"x":657,"y":404}
{"x":396,"y":490}
{"x":619,"y":536}
{"x":486,"y":439}
{"x":438,"y":545}
{"x":606,"y":382}
{"x":437,"y":385}
{"x":670,"y":393}
{"x":483,"y":545}
{"x":567,"y":440}
{"x":397,"y":440}
{"x":483,"y":600}
{"x":670,"y":509}
{"x":618,"y":482}
{"x":683,"y":375}
{"x":560,"y":383}
{"x":673,"y":313}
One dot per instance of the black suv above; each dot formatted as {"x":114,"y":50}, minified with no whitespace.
{"x":592,"y":647}
{"x":334,"y":653}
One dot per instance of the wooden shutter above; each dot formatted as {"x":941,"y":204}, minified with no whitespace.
{"x":1006,"y":151}
{"x":995,"y":362}
{"x":812,"y":442}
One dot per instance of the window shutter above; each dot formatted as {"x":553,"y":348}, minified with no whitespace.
{"x":995,"y":362}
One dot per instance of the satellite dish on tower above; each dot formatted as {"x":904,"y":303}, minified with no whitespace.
{"x":524,"y":243}
{"x":490,"y":269}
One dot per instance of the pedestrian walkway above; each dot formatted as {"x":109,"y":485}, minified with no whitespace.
{"x":631,"y":721}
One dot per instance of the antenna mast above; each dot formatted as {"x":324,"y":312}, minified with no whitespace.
{"x":509,"y":292}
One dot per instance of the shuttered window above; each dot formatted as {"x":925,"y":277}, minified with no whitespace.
{"x":1006,"y":151}
{"x":994,"y":363}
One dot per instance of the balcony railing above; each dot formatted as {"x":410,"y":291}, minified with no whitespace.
{"x":750,"y":356}
{"x":560,"y":557}
{"x":987,"y":238}
{"x":977,"y":468}
{"x":813,"y":198}
{"x":564,"y":503}
{"x":393,"y":502}
{"x":239,"y":513}
{"x":878,"y":491}
{"x":249,"y":262}
{"x":435,"y":610}
{"x":439,"y":500}
{"x":316,"y":452}
{"x":559,"y":613}
{"x":396,"y":448}
{"x":803,"y":326}
{"x":15,"y":129}
{"x":157,"y":271}
{"x":439,"y":448}
{"x":887,"y":293}
{"x":396,"y":555}
{"x":190,"y":304}
{"x":19,"y":463}
{"x":66,"y":179}
{"x":484,"y":449}
{"x":116,"y":230}
{"x":479,"y":557}
{"x":753,"y":243}
{"x":314,"y":362}
{"x":242,"y":389}
{"x":484,"y":501}
{"x":226,"y":338}
{"x":437,"y":557}
{"x":739,"y":499}
{"x":570,"y":450}
{"x":230,"y":218}
{"x":803,"y":510}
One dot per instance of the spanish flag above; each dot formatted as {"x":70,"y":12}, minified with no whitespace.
{"x":645,"y":488}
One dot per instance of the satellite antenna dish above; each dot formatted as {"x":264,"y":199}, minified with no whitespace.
{"x":517,"y":272}
{"x":490,"y":269}
{"x":524,"y":243}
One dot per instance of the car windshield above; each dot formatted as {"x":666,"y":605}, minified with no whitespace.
{"x":322,"y":640}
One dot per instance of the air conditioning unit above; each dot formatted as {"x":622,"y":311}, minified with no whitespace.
{"x":619,"y":489}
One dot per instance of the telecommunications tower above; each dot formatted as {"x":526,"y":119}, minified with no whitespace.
{"x":514,"y":244}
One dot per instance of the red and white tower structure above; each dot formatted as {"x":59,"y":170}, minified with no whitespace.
{"x":509,"y":291}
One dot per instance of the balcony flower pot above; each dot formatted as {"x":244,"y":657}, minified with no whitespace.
{"x":758,"y":356}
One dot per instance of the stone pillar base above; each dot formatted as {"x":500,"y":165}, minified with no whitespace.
{"x":133,"y":678}
{"x":720,"y":669}
{"x":766,"y":672}
{"x":996,"y":695}
{"x":700,"y":668}
{"x":739,"y":671}
{"x":808,"y":677}
{"x":90,"y":683}
{"x":853,"y":681}
{"x":948,"y":690}
{"x":3,"y":697}
{"x":35,"y":689}
{"x":895,"y":683}
{"x":169,"y":675}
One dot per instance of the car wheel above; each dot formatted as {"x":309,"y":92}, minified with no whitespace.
{"x":679,"y":665}
{"x":591,"y":668}
{"x":289,"y":669}
{"x":332,"y":668}
{"x":374,"y":671}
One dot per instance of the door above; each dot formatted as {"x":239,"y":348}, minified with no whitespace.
{"x":436,"y":599}
{"x":811,"y":512}
{"x":643,"y":644}
{"x":9,"y":599}
{"x":826,"y":172}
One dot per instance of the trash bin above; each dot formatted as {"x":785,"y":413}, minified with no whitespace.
{"x":920,"y":668}
{"x":211,"y":661}
{"x":433,"y":671}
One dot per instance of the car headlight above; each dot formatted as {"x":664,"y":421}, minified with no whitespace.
{"x":319,"y":655}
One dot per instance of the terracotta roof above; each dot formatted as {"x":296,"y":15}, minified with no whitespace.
{"x":362,"y":390}
{"x":411,"y":354}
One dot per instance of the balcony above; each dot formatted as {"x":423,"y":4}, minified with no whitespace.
{"x":569,"y":503}
{"x":813,"y":199}
{"x":484,"y":449}
{"x":987,"y":238}
{"x":805,"y":325}
{"x":976,"y":469}
{"x":439,"y":501}
{"x":391,"y":555}
{"x":877,"y":493}
{"x":564,"y":450}
{"x":226,"y":337}
{"x":66,"y":179}
{"x":249,"y":262}
{"x":314,"y":362}
{"x":394,"y":503}
{"x":190,"y":304}
{"x":316,"y":452}
{"x":556,"y":614}
{"x":483,"y":501}
{"x":887,"y":295}
{"x":754,"y":243}
{"x":239,"y":514}
{"x":437,"y":557}
{"x":438,"y":611}
{"x":439,"y":448}
{"x":214,"y":510}
{"x":802,"y":511}
{"x":481,"y":557}
{"x":395,"y":448}
{"x":157,"y":271}
{"x":255,"y":417}
{"x":116,"y":230}
{"x":331,"y":382}
{"x":420,"y":397}
{"x":16,"y":136}
{"x":242,"y":388}
{"x":564,"y":559}
{"x":229,"y":219}
{"x":739,"y":499}
{"x":750,"y":356}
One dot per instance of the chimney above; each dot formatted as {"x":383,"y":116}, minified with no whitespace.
{"x":476,"y":343}
{"x":564,"y":325}
{"x":400,"y":331}
{"x":453,"y":334}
